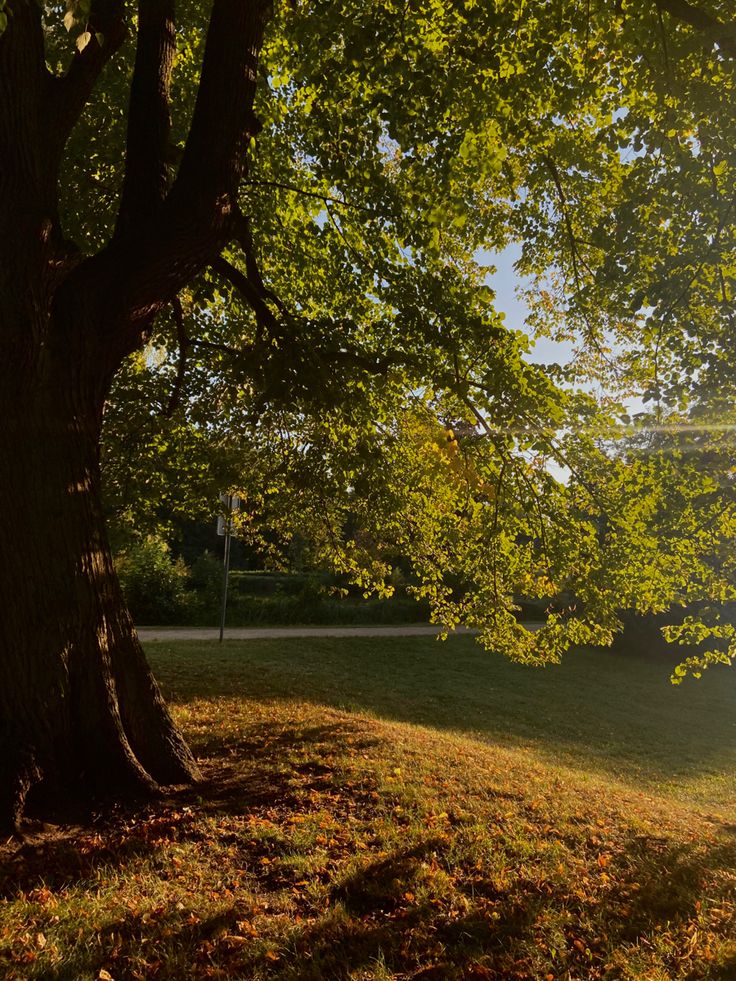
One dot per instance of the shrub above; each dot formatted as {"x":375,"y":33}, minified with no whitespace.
{"x":206,"y":578}
{"x":153,"y":583}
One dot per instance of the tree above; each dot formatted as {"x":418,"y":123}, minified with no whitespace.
{"x":77,"y":696}
{"x":367,"y":155}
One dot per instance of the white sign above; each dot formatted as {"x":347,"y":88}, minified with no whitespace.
{"x":232,"y":503}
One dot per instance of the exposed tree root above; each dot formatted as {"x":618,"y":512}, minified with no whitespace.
{"x":18,"y":774}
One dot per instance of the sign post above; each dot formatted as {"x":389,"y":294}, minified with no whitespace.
{"x":225,"y":527}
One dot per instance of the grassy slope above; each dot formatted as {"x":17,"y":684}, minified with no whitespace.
{"x":339,"y":836}
{"x":602,"y":713}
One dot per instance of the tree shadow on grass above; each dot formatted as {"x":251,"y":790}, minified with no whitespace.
{"x":654,"y":896}
{"x":613,"y":714}
{"x":379,"y":909}
{"x":242,"y":776}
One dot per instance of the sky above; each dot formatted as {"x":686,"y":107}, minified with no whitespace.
{"x":505,"y":282}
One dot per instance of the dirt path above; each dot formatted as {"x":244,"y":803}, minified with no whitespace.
{"x":260,"y":633}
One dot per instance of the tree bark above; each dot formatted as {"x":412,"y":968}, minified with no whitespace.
{"x":79,"y":707}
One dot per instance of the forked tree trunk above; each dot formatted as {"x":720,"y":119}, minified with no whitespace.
{"x":78,"y":704}
{"x":79,"y":707}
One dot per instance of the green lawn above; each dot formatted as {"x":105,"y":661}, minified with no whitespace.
{"x":395,"y":809}
{"x":607,"y":714}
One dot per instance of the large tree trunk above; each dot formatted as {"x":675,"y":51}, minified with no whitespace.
{"x":78,"y":704}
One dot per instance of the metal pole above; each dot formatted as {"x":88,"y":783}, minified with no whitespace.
{"x":226,"y":565}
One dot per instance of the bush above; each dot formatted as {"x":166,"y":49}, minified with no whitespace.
{"x":154,"y":584}
{"x":161,"y":590}
{"x":206,"y":579}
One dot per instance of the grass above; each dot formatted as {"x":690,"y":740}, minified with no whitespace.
{"x":605,"y":714}
{"x":397,"y":808}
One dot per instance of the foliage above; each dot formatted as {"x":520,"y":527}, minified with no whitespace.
{"x":206,"y":578}
{"x":161,"y":590}
{"x":154,"y":584}
{"x":697,"y":446}
{"x":331,"y":843}
{"x":244,"y":611}
{"x":370,"y":393}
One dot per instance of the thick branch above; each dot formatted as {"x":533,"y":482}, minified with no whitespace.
{"x":724,"y":35}
{"x":22,"y":80}
{"x":149,"y":121}
{"x":23,"y":229}
{"x":224,"y":122}
{"x":69,"y":95}
{"x":138,"y":273}
{"x":243,"y":236}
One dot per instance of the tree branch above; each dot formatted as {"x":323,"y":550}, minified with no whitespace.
{"x":138,"y":273}
{"x":724,"y":35}
{"x":68,"y":95}
{"x":235,"y":352}
{"x":149,"y":121}
{"x":22,"y":212}
{"x":576,"y":257}
{"x":304,"y":192}
{"x":243,"y":236}
{"x":249,"y":291}
{"x":23,"y":78}
{"x":223,"y":122}
{"x":181,"y":365}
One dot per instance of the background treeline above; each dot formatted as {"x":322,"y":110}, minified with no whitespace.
{"x":181,"y":583}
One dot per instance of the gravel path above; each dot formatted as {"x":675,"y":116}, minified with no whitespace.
{"x":277,"y":633}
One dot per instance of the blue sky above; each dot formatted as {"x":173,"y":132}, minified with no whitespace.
{"x":505,"y":282}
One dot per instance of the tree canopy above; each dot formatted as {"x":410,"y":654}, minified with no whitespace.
{"x":402,"y":145}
